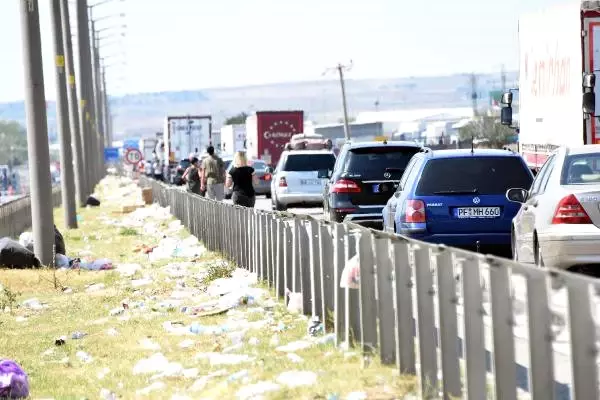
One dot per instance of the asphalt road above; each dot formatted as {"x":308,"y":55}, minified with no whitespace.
{"x":262,"y":203}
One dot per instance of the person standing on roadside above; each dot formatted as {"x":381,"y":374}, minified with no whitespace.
{"x":242,"y":178}
{"x":192,"y":176}
{"x":213,"y":175}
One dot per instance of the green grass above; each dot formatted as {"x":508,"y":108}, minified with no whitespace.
{"x":28,"y":336}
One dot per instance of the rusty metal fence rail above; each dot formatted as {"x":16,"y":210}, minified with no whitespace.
{"x":469,"y":326}
{"x":15,"y":215}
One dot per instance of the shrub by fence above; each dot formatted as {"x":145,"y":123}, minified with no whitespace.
{"x":468,"y":325}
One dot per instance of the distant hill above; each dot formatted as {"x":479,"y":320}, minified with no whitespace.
{"x":142,"y":114}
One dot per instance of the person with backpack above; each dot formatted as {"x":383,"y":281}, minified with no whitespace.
{"x":213,"y":175}
{"x":192,"y":176}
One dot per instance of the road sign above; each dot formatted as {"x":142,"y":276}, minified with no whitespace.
{"x":133,"y":156}
{"x":131,"y":144}
{"x":111,"y":154}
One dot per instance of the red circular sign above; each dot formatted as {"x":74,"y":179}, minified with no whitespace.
{"x":133,"y":156}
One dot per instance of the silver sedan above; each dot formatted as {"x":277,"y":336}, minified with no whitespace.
{"x":558,"y":224}
{"x":263,"y":175}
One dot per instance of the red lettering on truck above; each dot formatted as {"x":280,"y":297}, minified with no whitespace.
{"x":549,"y":76}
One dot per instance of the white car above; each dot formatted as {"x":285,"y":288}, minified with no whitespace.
{"x":296,"y":178}
{"x":558,"y":224}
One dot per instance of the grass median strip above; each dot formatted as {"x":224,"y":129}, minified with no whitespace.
{"x":156,"y":327}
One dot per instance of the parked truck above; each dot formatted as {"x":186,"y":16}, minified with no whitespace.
{"x":558,"y":59}
{"x":183,"y":135}
{"x":233,"y":138}
{"x":267,"y":133}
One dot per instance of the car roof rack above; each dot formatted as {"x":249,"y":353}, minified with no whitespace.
{"x":426,"y":150}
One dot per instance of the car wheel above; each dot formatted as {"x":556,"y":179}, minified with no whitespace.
{"x":268,"y":195}
{"x":539,"y":260}
{"x":228,"y":196}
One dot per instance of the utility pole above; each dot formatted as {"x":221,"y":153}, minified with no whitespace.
{"x":341,"y":69}
{"x":85,"y":98}
{"x":95,"y":96}
{"x":76,"y":133}
{"x":98,"y":94}
{"x":106,"y":110}
{"x":67,"y":180}
{"x":474,"y":95}
{"x":42,"y":219}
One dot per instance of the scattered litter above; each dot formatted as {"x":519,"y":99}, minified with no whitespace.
{"x":295,"y":303}
{"x":238,"y":375}
{"x":186,"y":344}
{"x":294,"y":346}
{"x":294,"y":379}
{"x":148,"y":344}
{"x":224,"y":359}
{"x":356,"y":396}
{"x":315,"y":326}
{"x":350,"y":278}
{"x":153,"y":387}
{"x":103,"y":372}
{"x":34,"y":304}
{"x":106,"y":394}
{"x":128,"y":270}
{"x":112,"y":332}
{"x":60,"y":341}
{"x":95,"y":287}
{"x":78,"y":335}
{"x":141,"y":282}
{"x":102,"y":264}
{"x":20,"y":319}
{"x":84,"y":357}
{"x":253,"y":341}
{"x":295,"y":358}
{"x":256,"y":390}
{"x":154,"y":364}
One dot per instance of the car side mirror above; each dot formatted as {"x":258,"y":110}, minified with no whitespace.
{"x":269,"y":170}
{"x":517,"y":195}
{"x":323,"y":174}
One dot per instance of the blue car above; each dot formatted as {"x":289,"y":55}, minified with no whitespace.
{"x":457,"y":198}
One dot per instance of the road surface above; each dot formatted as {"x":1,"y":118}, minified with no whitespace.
{"x":262,"y":203}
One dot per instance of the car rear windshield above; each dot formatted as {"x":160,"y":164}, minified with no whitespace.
{"x":374,"y":162}
{"x":308,"y":162}
{"x":259,"y":166}
{"x":473,"y":175}
{"x":581,"y":169}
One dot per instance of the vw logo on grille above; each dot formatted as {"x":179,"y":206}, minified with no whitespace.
{"x":387,"y":175}
{"x":476,"y":200}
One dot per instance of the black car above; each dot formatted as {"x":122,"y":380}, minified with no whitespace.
{"x":178,"y":171}
{"x":364,"y":177}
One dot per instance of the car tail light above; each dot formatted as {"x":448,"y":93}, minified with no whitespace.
{"x":266,"y":177}
{"x":414,"y":211}
{"x":345,"y":186}
{"x":570,"y":211}
{"x":282,"y":182}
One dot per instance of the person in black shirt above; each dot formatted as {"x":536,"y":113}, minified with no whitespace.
{"x":242,"y":178}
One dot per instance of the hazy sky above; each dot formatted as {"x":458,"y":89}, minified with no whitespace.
{"x":191,"y":44}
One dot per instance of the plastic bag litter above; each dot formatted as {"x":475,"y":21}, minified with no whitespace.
{"x":102,"y":264}
{"x":295,"y":304}
{"x":297,"y":378}
{"x":61,"y":261}
{"x":351,"y":274}
{"x":256,"y":390}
